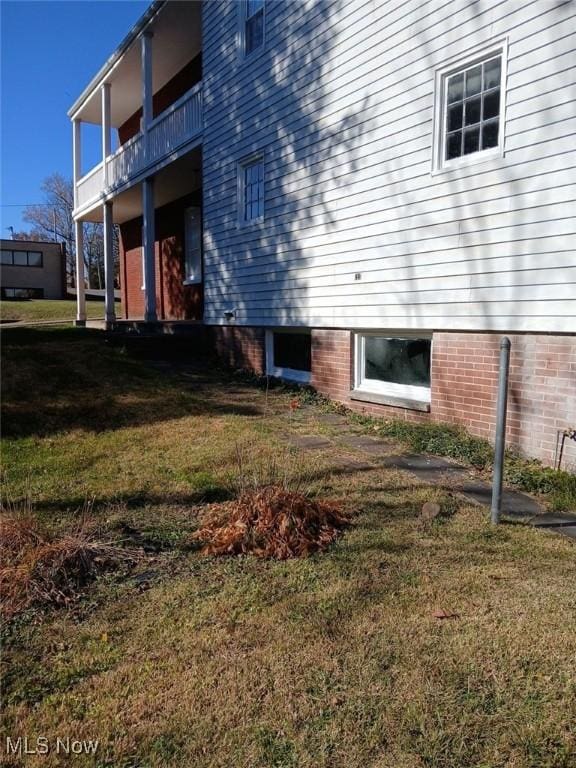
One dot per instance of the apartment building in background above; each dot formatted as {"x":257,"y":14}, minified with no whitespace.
{"x":32,"y":270}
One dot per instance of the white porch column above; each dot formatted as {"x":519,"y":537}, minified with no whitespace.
{"x":149,"y":255}
{"x":147,"y":93}
{"x":110,"y":315}
{"x":106,"y":131}
{"x":77,"y":156}
{"x":80,"y":295}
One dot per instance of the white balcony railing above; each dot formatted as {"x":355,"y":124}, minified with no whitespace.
{"x":177,"y":125}
{"x":90,"y":186}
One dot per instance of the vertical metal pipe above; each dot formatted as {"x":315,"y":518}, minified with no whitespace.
{"x":500,"y":441}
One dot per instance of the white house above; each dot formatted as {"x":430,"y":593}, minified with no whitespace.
{"x":364,"y":195}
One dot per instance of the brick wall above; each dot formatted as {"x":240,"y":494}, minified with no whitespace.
{"x":541,"y":397}
{"x":542,"y":394}
{"x":174,"y":300}
{"x":240,"y":347}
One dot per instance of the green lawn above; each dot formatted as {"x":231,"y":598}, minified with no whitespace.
{"x":336,"y":661}
{"x":35,"y":310}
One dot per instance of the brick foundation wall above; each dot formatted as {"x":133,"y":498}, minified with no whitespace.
{"x":240,"y":347}
{"x":174,"y":300}
{"x":542,"y":393}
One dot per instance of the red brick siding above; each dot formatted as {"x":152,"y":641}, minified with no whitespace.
{"x":174,"y":301}
{"x":168,"y":94}
{"x":542,"y":394}
{"x":240,"y":347}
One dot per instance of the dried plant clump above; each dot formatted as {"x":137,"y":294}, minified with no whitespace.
{"x":36,"y":567}
{"x":271,"y":521}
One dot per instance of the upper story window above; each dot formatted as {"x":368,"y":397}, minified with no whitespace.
{"x":251,"y":189}
{"x":193,"y":245}
{"x":21,"y":258}
{"x":469,"y":118}
{"x":253,"y":25}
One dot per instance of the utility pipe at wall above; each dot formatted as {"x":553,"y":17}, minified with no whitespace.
{"x":500,"y":441}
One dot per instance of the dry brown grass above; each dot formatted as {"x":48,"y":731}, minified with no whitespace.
{"x":271,"y":522}
{"x":37,"y":567}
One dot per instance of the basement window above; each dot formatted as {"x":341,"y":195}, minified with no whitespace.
{"x":289,"y":355}
{"x":393,"y":369}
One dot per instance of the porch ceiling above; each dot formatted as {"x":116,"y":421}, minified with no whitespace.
{"x":177,"y":38}
{"x":170,"y":183}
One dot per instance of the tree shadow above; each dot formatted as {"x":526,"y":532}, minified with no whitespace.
{"x":55,"y":381}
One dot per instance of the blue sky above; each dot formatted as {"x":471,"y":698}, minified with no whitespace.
{"x":49,"y":52}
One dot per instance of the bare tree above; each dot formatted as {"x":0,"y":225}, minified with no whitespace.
{"x":53,"y":220}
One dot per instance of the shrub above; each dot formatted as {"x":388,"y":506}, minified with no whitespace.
{"x":39,"y":568}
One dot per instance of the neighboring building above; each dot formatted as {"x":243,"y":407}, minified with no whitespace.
{"x":360,"y":195}
{"x":32,"y":270}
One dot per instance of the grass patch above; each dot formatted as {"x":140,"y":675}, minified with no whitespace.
{"x":338,"y":660}
{"x":37,"y":310}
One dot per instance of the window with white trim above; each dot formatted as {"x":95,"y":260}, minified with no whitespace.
{"x":394,"y":366}
{"x":289,"y":354}
{"x":193,"y":245}
{"x":251,"y":189}
{"x":253,"y":26}
{"x":471,"y":111}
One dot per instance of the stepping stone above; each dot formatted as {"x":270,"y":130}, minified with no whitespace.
{"x":370,"y":445}
{"x":551,"y":520}
{"x":331,"y":418}
{"x":514,"y":503}
{"x":566,"y":530}
{"x":559,"y":523}
{"x":433,"y":469}
{"x":308,"y":442}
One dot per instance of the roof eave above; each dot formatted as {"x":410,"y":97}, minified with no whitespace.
{"x":100,"y":77}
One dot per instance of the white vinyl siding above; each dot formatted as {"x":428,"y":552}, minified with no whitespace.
{"x":349,"y":184}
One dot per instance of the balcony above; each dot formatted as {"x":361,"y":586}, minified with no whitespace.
{"x":178,"y":125}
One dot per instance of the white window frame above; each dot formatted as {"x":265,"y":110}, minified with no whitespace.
{"x":243,"y":19}
{"x":362,"y":385}
{"x":452,"y":67}
{"x":243,"y":164}
{"x":195,"y":278}
{"x":290,"y":374}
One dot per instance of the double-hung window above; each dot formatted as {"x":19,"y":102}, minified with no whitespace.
{"x":470,"y":110}
{"x":251,"y":190}
{"x":253,"y":26}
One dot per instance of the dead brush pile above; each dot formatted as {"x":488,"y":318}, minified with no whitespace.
{"x":270,"y":521}
{"x":37,"y":567}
